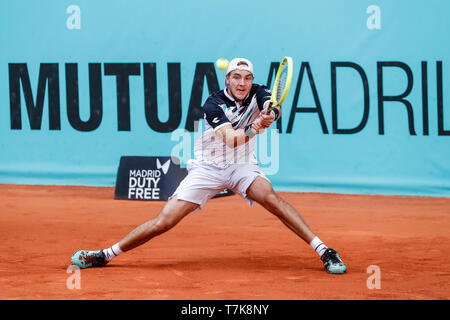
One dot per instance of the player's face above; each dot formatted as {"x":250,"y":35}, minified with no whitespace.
{"x":239,"y":84}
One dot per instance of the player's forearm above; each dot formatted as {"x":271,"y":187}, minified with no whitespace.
{"x":235,"y":138}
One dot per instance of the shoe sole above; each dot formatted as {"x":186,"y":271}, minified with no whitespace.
{"x":337,"y":269}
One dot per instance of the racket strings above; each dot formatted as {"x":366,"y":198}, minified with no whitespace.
{"x":282,"y":83}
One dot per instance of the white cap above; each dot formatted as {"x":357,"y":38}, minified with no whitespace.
{"x":240,"y":64}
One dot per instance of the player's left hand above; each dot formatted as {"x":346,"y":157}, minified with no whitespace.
{"x":257,"y":125}
{"x":266,"y":119}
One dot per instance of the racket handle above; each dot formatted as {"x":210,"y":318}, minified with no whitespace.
{"x":276,"y":113}
{"x":269,"y":108}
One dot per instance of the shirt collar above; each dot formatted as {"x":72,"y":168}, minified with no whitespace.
{"x":225,"y":91}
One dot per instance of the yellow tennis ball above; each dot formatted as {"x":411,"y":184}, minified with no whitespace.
{"x":222,"y":63}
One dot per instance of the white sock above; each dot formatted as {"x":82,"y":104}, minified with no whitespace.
{"x":112,"y":252}
{"x":318,"y":246}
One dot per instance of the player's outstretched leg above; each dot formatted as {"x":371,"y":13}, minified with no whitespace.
{"x":170,"y":215}
{"x":262,"y":192}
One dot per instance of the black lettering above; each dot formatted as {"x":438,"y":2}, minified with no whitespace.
{"x":363,"y":76}
{"x":398,"y":98}
{"x":95,"y":96}
{"x":272,"y":73}
{"x":48,"y":74}
{"x":440,"y":101}
{"x":317,"y":109}
{"x":425,"y":98}
{"x":123,"y":71}
{"x":195,"y":111}
{"x":151,"y":103}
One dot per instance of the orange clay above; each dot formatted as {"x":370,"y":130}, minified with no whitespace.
{"x":226,"y":251}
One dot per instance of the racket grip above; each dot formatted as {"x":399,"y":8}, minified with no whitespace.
{"x":269,"y":108}
{"x":275,"y":111}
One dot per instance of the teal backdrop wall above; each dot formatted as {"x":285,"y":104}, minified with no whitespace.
{"x":84,"y":82}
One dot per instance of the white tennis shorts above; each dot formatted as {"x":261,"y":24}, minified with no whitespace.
{"x":204,"y":181}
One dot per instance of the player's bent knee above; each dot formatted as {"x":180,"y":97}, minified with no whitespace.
{"x":272,"y":202}
{"x":163,"y":224}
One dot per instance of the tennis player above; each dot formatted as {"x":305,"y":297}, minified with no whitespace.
{"x":224,"y":159}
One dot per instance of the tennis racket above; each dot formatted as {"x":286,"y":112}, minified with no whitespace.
{"x":282,"y":83}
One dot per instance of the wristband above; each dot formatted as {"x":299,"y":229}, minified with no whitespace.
{"x":249,"y":132}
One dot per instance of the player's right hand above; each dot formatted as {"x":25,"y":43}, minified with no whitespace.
{"x":266,"y":119}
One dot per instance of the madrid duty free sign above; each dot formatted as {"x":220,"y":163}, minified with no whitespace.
{"x":150,"y":178}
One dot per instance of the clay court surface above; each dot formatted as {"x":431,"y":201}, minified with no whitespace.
{"x":227,"y":251}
